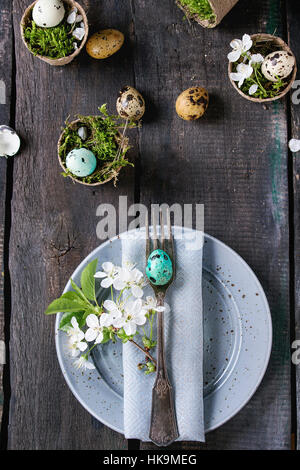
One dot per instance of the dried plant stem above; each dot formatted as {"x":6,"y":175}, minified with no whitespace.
{"x":122,"y":140}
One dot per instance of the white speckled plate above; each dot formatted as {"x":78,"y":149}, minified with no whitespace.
{"x":237,"y":341}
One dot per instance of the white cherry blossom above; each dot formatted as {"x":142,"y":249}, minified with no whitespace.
{"x":133,"y":315}
{"x":108,"y":275}
{"x":131,"y":278}
{"x":76,"y":346}
{"x":239,"y":46}
{"x":113,"y":316}
{"x":151,"y":304}
{"x":74,"y":332}
{"x":84,"y":363}
{"x":95,"y":330}
{"x":256,"y":59}
{"x":243,"y":71}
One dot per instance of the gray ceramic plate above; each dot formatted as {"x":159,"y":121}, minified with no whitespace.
{"x":237,"y":341}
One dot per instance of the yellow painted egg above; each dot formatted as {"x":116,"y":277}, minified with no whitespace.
{"x":104,"y":43}
{"x":192,"y":103}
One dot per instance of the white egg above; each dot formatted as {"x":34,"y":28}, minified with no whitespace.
{"x":278,"y":64}
{"x":9,"y":141}
{"x":48,"y":13}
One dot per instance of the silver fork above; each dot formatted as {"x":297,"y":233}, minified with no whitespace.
{"x":163,"y":427}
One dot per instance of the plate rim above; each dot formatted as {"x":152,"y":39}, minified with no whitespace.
{"x":268,"y":324}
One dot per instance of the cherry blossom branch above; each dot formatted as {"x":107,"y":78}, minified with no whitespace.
{"x":144,"y":351}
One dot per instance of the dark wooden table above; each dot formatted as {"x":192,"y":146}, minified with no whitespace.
{"x":235,"y":160}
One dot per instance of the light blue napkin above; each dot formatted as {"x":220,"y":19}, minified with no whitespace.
{"x":184,"y":348}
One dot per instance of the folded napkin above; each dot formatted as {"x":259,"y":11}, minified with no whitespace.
{"x":183,"y":343}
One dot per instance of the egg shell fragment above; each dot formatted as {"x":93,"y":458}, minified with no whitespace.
{"x":192,"y":103}
{"x":159,"y":269}
{"x":278,"y":64}
{"x":130,"y":104}
{"x":104,"y":43}
{"x":81,"y":162}
{"x":48,"y":13}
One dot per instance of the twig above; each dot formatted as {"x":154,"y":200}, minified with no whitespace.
{"x":144,"y":351}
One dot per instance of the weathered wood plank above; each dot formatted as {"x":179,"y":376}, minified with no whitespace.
{"x":293,"y":21}
{"x":6,"y":52}
{"x":234,"y":160}
{"x":53,"y":229}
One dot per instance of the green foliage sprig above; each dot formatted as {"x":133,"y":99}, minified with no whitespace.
{"x":81,"y":304}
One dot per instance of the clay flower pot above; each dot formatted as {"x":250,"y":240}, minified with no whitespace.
{"x":220,"y":9}
{"x":262,"y":37}
{"x":63,"y":60}
{"x":114,"y":173}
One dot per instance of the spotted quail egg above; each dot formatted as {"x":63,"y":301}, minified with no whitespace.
{"x":278,"y":64}
{"x":159,"y":269}
{"x":81,"y":162}
{"x":48,"y":13}
{"x":104,"y":43}
{"x":130,"y":104}
{"x":192,"y":103}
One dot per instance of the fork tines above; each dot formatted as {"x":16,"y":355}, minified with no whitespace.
{"x":163,"y":239}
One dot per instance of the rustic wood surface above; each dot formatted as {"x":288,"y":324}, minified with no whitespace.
{"x":6,"y":80}
{"x":293,"y":16}
{"x":234,"y":160}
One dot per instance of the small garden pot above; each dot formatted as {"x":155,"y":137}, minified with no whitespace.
{"x":63,"y":60}
{"x":114,"y":173}
{"x":262,"y":37}
{"x":220,"y":8}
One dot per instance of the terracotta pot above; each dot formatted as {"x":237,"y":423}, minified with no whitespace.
{"x":64,"y":60}
{"x":219,"y":7}
{"x":283,"y":46}
{"x":74,"y":124}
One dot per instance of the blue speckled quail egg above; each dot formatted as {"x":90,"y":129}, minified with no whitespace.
{"x":48,"y":13}
{"x":130,"y":104}
{"x":159,"y":269}
{"x":278,"y":64}
{"x":81,"y":162}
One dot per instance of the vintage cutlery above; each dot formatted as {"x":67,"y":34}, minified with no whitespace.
{"x":163,"y":427}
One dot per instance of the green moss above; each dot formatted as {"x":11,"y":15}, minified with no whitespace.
{"x":202,"y":8}
{"x":103,"y":140}
{"x":54,"y":43}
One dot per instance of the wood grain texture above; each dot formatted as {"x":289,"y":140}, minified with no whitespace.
{"x":6,"y":52}
{"x":234,"y":160}
{"x":53,"y":229}
{"x":293,"y":21}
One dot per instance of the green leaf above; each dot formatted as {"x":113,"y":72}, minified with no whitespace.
{"x":65,"y":322}
{"x":79,"y":292}
{"x":88,"y":280}
{"x":123,"y":336}
{"x":65,"y":304}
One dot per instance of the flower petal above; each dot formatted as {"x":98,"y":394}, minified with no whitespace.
{"x":108,"y":267}
{"x":90,"y":334}
{"x":99,"y":338}
{"x":294,"y":145}
{"x":253,"y":89}
{"x":110,"y":305}
{"x":92,"y":321}
{"x":137,"y":291}
{"x":100,"y":274}
{"x":233,"y":56}
{"x":247,"y":42}
{"x":107,"y":282}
